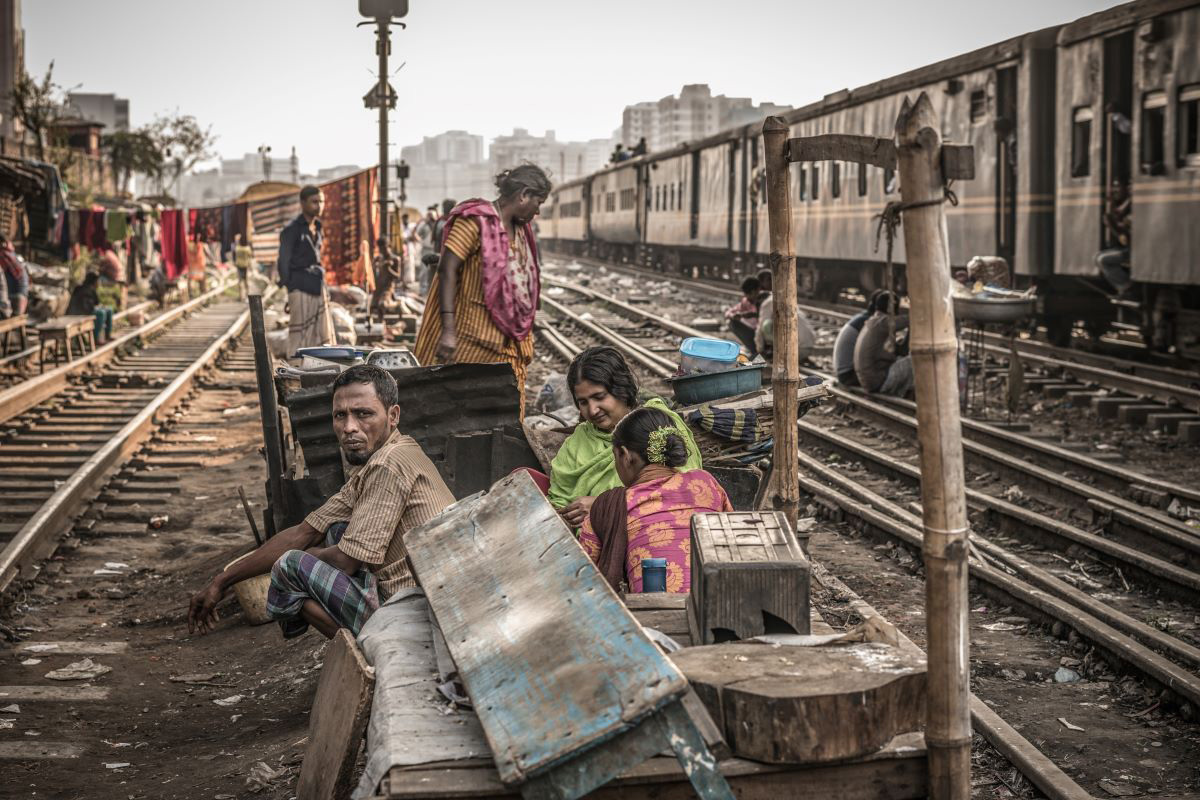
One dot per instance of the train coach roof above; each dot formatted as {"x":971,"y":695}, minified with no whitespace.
{"x":1122,"y":16}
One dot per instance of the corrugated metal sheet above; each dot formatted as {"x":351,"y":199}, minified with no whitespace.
{"x":436,"y":403}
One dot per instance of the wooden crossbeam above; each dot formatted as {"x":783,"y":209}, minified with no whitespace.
{"x":843,"y":147}
{"x":958,"y":160}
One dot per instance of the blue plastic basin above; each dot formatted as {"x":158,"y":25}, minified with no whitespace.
{"x":692,"y":389}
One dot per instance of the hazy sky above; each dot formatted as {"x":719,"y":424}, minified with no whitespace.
{"x":293,"y":72}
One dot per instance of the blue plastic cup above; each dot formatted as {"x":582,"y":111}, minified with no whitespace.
{"x":654,"y":575}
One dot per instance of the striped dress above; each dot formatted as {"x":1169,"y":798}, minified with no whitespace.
{"x":479,"y":340}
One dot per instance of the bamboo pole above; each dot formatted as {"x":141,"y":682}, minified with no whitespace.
{"x":783,"y":489}
{"x":934,"y":348}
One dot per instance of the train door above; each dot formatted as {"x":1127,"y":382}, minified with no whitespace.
{"x":1116,"y":131}
{"x":1006,"y":162}
{"x":694,"y":195}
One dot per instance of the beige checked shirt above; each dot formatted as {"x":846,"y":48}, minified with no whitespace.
{"x":397,"y":490}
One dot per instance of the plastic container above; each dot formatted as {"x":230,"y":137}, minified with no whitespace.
{"x":707,"y":355}
{"x":692,"y":389}
{"x":252,"y":595}
{"x":654,"y":575}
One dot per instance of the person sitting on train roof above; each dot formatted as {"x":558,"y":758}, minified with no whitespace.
{"x":649,"y":515}
{"x":605,"y":391}
{"x":843,"y":346}
{"x":876,"y":362}
{"x":743,"y":317}
{"x":335,"y":568}
{"x":639,"y":149}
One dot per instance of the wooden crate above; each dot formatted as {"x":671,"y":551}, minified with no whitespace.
{"x":749,"y":577}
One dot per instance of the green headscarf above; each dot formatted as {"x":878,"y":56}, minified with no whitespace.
{"x":584,"y":465}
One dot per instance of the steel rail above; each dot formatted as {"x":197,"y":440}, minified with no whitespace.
{"x":659,"y":366}
{"x":1172,"y":386}
{"x":37,"y":538}
{"x":23,"y":396}
{"x":1117,"y":645}
{"x":1038,"y":768}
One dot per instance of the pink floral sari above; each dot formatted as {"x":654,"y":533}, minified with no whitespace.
{"x":659,"y":526}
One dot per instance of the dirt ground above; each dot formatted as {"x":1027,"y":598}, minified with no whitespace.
{"x":173,"y":737}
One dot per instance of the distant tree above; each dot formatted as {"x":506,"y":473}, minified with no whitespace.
{"x":37,"y":104}
{"x":134,"y":151}
{"x":182,"y":143}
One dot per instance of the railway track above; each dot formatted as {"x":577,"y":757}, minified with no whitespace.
{"x":1057,"y":534}
{"x":1173,"y":387}
{"x":62,"y":440}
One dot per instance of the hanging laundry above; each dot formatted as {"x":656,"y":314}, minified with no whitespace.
{"x":349,"y":218}
{"x":206,"y":224}
{"x":174,"y":242}
{"x":116,"y":225}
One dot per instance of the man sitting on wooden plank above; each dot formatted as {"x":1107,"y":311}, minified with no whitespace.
{"x":335,"y":568}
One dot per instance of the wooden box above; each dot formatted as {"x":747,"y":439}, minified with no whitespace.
{"x":749,"y":577}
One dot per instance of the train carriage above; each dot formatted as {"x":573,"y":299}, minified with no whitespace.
{"x":1057,"y":117}
{"x":1128,"y":122}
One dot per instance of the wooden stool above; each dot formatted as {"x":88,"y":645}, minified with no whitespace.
{"x":63,"y":332}
{"x":13,"y":327}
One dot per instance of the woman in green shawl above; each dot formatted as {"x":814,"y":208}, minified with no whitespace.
{"x":605,"y":391}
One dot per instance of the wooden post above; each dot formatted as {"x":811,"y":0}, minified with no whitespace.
{"x":269,"y":407}
{"x":783,"y":490}
{"x":934,"y":349}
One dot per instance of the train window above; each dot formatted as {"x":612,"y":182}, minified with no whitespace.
{"x":1081,"y":142}
{"x":1189,"y":126}
{"x":610,"y":201}
{"x":835,"y":179}
{"x":628,"y":199}
{"x":889,"y":180}
{"x":1154,"y":130}
{"x":802,"y":182}
{"x":978,"y":105}
{"x":816,"y":182}
{"x":862,"y":180}
{"x":672,"y":206}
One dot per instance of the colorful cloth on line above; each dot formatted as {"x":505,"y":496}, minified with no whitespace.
{"x":660,"y":525}
{"x":299,"y":576}
{"x":174,"y":242}
{"x":584,"y":464}
{"x":351,"y":218}
{"x":207,"y":224}
{"x":735,"y":425}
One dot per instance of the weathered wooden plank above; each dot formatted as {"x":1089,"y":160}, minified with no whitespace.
{"x":794,"y":704}
{"x":897,"y":772}
{"x":338,"y":721}
{"x":553,"y":661}
{"x":843,"y":147}
{"x":657,"y":601}
{"x":408,"y":725}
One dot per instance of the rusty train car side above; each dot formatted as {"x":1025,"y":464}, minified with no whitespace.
{"x":699,"y":209}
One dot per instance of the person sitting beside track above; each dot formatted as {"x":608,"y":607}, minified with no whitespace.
{"x":605,"y":391}
{"x":743,"y":317}
{"x":650,"y":515}
{"x":764,"y":337}
{"x":335,"y":568}
{"x":876,"y":362}
{"x":843,"y":346}
{"x":85,"y":302}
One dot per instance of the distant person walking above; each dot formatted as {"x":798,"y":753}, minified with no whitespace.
{"x":16,"y":276}
{"x":243,"y":259}
{"x":482,"y":301}
{"x":300,"y":271}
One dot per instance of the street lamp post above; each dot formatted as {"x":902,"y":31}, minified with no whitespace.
{"x":382,"y":96}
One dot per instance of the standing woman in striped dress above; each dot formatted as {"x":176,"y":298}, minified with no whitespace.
{"x":482,"y":301}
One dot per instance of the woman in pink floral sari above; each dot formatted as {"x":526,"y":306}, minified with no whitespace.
{"x":650,"y":516}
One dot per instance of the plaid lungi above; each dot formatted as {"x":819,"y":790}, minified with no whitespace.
{"x":310,"y":323}
{"x":298,"y":576}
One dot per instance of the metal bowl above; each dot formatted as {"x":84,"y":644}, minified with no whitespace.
{"x":994,"y":309}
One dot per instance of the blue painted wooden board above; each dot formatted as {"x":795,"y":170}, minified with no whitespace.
{"x":554,"y":662}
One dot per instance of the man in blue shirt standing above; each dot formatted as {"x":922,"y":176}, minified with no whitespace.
{"x":301,"y":273}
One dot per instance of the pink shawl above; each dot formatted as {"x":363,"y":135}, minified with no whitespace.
{"x":498,"y":290}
